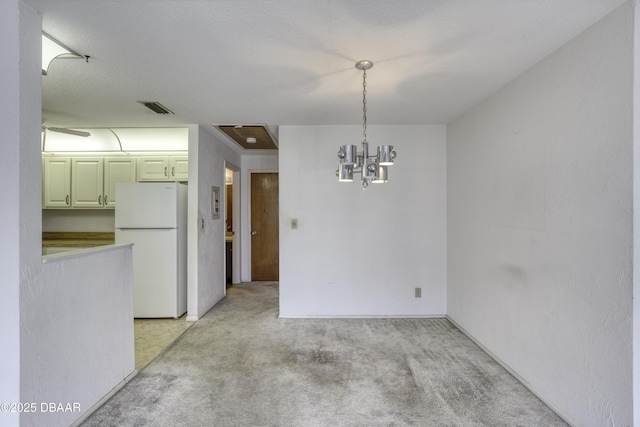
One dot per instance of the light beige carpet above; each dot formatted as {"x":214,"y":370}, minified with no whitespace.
{"x":242,"y":366}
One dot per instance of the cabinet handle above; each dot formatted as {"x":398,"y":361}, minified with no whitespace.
{"x":100,"y":200}
{"x":106,"y":200}
{"x":173,"y":171}
{"x":165,"y":171}
{"x":67,"y":199}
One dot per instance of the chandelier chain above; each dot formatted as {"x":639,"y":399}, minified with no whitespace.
{"x":364,"y":105}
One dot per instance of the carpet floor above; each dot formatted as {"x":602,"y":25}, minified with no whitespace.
{"x":242,"y":366}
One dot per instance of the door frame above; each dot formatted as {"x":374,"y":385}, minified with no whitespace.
{"x":249,"y":198}
{"x":237,"y":225}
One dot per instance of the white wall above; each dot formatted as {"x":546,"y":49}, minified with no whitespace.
{"x":77,"y":332}
{"x":30,"y":196}
{"x":206,"y":270}
{"x":59,"y":356}
{"x":18,"y":24}
{"x":361,"y":253}
{"x":75,"y":220}
{"x":636,"y":217}
{"x":250,"y":164}
{"x":539,"y":231}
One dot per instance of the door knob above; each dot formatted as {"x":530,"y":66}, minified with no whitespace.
{"x":253,"y":233}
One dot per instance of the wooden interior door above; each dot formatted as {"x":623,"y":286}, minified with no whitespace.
{"x":264,"y":227}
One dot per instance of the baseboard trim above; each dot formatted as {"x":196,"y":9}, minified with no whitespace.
{"x":569,"y":420}
{"x":356,"y":316}
{"x":106,"y":397}
{"x":192,"y":318}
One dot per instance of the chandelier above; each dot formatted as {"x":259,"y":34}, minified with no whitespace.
{"x":373,"y":168}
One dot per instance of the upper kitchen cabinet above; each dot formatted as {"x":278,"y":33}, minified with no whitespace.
{"x":87,"y":178}
{"x":56,"y":182}
{"x":179,"y":168}
{"x":163,"y":168}
{"x":83,"y":182}
{"x":93,"y":180}
{"x":117,"y":169}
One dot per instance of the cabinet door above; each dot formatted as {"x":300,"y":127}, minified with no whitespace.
{"x":179,"y":168}
{"x":87,"y":182}
{"x":153,"y":168}
{"x":56,"y":182}
{"x":117,"y":169}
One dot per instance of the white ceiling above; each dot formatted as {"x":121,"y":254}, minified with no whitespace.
{"x":291,"y":62}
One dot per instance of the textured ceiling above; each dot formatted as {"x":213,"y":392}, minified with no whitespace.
{"x":291,"y":62}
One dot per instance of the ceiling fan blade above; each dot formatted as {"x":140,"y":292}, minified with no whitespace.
{"x":70,"y":132}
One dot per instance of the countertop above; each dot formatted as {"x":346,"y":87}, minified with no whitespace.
{"x":82,"y":239}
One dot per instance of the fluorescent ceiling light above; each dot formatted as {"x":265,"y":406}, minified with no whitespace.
{"x":52,"y":49}
{"x":98,"y":140}
{"x":115,"y":139}
{"x":153,"y":139}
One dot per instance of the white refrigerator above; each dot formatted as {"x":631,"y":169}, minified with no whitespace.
{"x":153,"y":216}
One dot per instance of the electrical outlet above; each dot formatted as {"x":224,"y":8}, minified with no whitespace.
{"x":294,"y":223}
{"x":418,"y":292}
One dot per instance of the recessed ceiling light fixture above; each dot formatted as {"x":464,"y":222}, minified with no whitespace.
{"x":156,"y":107}
{"x":249,"y":136}
{"x":53,"y":49}
{"x":372,"y":168}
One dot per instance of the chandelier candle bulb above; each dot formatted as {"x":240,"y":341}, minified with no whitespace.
{"x":382,"y":175}
{"x":386,"y":155}
{"x":348,"y":154}
{"x":345,"y":173}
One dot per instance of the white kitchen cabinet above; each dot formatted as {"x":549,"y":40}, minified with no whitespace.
{"x":179,"y":167}
{"x":153,"y":168}
{"x":84,"y":182}
{"x":117,"y":169}
{"x":87,"y":178}
{"x":94,"y":180}
{"x":56,"y":182}
{"x":163,"y":168}
{"x":88,"y":182}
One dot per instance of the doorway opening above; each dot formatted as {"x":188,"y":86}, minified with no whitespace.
{"x":232,"y":224}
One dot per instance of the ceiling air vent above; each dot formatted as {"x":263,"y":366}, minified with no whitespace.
{"x":156,"y":107}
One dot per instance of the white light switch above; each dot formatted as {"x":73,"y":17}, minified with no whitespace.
{"x":294,"y":223}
